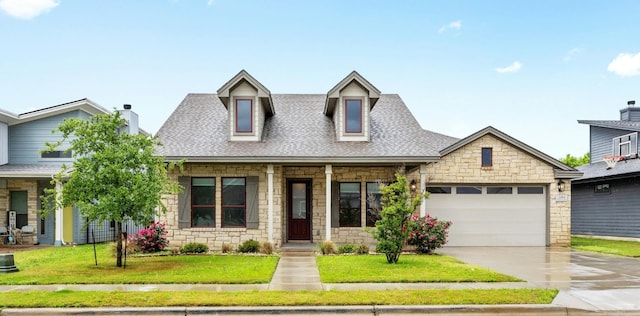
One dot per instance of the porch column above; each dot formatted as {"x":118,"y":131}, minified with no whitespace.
{"x":423,"y":188}
{"x":270,"y":202}
{"x":58,"y":216}
{"x":328,"y":171}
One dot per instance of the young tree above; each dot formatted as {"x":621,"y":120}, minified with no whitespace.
{"x":397,"y":206}
{"x":115,"y":176}
{"x":573,"y":161}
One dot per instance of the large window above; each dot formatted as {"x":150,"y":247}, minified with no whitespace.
{"x":350,"y":205}
{"x":487,"y":157}
{"x":203,"y":202}
{"x":374,"y":205}
{"x":19,"y":205}
{"x":244,"y":115}
{"x":353,"y":115}
{"x":234,"y":202}
{"x":56,"y":154}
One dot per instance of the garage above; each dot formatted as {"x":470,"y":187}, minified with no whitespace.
{"x":495,"y":215}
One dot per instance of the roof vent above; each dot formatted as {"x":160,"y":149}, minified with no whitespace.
{"x":631,"y":103}
{"x":128,"y":106}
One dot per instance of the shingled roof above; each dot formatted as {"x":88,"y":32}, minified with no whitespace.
{"x":623,"y":125}
{"x":598,"y":170}
{"x":198,"y":130}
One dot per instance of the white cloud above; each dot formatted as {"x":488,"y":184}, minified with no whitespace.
{"x":210,"y":2}
{"x":27,"y":9}
{"x":514,"y":67}
{"x":572,"y":53}
{"x":453,"y":25}
{"x":625,"y":65}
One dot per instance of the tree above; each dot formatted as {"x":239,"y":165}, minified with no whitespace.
{"x":573,"y":161}
{"x":392,"y":229}
{"x":115,"y":176}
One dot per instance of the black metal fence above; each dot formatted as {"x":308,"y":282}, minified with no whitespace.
{"x":101,"y":232}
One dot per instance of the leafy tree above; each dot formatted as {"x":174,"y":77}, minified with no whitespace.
{"x":573,"y":161}
{"x":115,"y":176}
{"x":392,"y":229}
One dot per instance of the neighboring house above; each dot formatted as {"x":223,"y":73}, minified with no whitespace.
{"x":606,"y":200}
{"x":25,"y":171}
{"x":307,"y":167}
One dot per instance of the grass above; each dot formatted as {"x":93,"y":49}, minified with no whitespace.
{"x":614,"y":247}
{"x":68,"y":298}
{"x":75,"y":265}
{"x":410,"y":268}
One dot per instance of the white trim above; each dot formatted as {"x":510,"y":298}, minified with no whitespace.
{"x":423,"y":189}
{"x":328,"y":171}
{"x":58,"y":216}
{"x":270,"y":202}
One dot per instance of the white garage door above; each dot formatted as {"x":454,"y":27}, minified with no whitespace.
{"x":491,"y":215}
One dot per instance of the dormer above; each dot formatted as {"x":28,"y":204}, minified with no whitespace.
{"x":349,"y":105}
{"x":248,"y":104}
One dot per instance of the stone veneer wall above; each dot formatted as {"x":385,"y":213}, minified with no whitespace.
{"x":510,"y":166}
{"x":215,"y":237}
{"x":32,"y":200}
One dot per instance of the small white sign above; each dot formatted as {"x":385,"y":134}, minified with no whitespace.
{"x":562,"y":198}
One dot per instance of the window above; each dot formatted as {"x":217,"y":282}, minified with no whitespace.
{"x":234,"y":202}
{"x":244,"y":115}
{"x":439,"y":190}
{"x":602,"y":188}
{"x":353,"y":115}
{"x":374,"y":205}
{"x":626,"y":145}
{"x":499,"y":190}
{"x":349,"y":205}
{"x":487,"y":157}
{"x":530,"y":190}
{"x":56,"y":154}
{"x":19,"y":205}
{"x":203,"y":202}
{"x":469,"y":190}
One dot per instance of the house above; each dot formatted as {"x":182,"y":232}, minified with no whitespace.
{"x":607,"y":197}
{"x":25,"y":171}
{"x":307,"y":167}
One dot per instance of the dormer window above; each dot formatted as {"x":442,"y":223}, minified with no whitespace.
{"x":244,"y":116}
{"x":353,"y":115}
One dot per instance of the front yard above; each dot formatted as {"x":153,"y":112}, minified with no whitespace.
{"x":614,"y":247}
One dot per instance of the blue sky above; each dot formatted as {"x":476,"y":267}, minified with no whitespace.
{"x":528,"y":68}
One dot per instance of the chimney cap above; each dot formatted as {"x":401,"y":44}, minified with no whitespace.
{"x":128,"y":106}
{"x":631,"y":102}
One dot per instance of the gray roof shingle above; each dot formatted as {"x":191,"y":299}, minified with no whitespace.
{"x":599,"y":170}
{"x":198,"y":130}
{"x":623,"y":125}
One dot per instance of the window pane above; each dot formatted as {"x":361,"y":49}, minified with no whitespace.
{"x":439,"y":190}
{"x":233,"y":216}
{"x":299,"y":200}
{"x":56,"y":154}
{"x":530,"y":190}
{"x":499,"y":190}
{"x":19,"y":202}
{"x":350,"y":204}
{"x":602,"y":188}
{"x":374,"y":206}
{"x":353,"y":116}
{"x":203,"y":182}
{"x":203,"y":191}
{"x":233,"y":191}
{"x":202,"y":216}
{"x":469,"y":190}
{"x":243,"y":115}
{"x":486,"y":157}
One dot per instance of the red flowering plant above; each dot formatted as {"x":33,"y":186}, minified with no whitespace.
{"x":152,"y":238}
{"x":427,"y":233}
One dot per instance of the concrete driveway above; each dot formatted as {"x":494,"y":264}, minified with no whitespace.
{"x":587,"y":280}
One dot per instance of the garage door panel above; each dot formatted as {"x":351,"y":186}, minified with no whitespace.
{"x":492,"y":219}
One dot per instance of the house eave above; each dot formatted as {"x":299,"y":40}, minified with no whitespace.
{"x":310,"y":160}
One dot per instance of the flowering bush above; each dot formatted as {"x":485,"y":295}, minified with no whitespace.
{"x":427,"y":233}
{"x":152,"y":238}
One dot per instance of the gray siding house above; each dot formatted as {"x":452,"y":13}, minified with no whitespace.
{"x":25,"y":171}
{"x":606,"y":199}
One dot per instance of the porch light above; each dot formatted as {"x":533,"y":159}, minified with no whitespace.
{"x":412,"y":186}
{"x":560,"y":185}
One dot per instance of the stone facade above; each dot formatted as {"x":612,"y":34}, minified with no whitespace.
{"x":511,"y":165}
{"x":32,"y":200}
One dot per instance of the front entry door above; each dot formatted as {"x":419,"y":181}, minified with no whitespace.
{"x":299,"y":209}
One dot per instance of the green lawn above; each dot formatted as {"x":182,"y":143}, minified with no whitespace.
{"x":75,"y":265}
{"x":410,"y":268}
{"x":275,"y":298}
{"x":614,"y":247}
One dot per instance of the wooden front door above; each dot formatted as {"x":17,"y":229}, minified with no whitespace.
{"x":299,"y":209}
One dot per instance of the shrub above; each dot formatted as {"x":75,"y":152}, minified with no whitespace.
{"x":266,"y":248}
{"x":152,"y":238}
{"x":362,"y":249}
{"x":428,"y":233}
{"x":327,"y":248}
{"x":194,"y":247}
{"x":226,"y":248}
{"x":249,"y":246}
{"x":347,"y":248}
